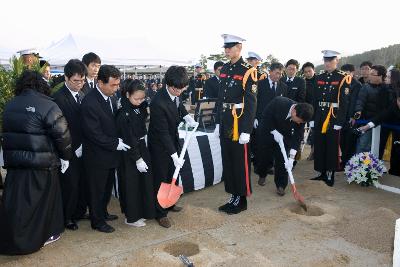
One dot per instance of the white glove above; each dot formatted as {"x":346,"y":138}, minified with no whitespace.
{"x":244,"y":138}
{"x":122,"y":145}
{"x":277,"y":136}
{"x":190,"y":121}
{"x":64,"y":165}
{"x":141,"y":165}
{"x":255,"y":124}
{"x":289,"y":164}
{"x":337,"y":127}
{"x":177,"y":162}
{"x":311,"y":123}
{"x":216,"y":131}
{"x":78,"y":152}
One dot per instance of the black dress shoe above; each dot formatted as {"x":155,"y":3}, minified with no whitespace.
{"x":110,"y":217}
{"x":320,"y":177}
{"x":105,"y":228}
{"x":71,"y":225}
{"x":280,"y":191}
{"x":175,"y":208}
{"x":224,"y":207}
{"x":261,"y":181}
{"x":232,"y":209}
{"x":270,"y":171}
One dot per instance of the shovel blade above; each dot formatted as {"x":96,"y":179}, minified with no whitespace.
{"x":169,"y":194}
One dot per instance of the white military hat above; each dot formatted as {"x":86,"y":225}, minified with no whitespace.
{"x":231,"y":40}
{"x":254,"y":55}
{"x":198,"y":65}
{"x":330,"y":53}
{"x":30,"y":51}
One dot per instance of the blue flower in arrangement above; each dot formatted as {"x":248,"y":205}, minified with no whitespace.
{"x":363,"y":168}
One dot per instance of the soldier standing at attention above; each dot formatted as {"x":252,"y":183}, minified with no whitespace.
{"x":235,"y":117}
{"x":331,"y":99}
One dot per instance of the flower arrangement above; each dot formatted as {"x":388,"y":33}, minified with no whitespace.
{"x":364,"y":168}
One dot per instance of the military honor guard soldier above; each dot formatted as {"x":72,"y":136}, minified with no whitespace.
{"x":236,"y":112}
{"x":331,"y":99}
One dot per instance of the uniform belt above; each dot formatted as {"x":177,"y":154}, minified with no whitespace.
{"x":231,"y":105}
{"x":328,"y":104}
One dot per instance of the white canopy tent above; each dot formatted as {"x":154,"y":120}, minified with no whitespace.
{"x":121,"y":52}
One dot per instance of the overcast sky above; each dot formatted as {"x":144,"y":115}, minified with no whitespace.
{"x":186,"y":29}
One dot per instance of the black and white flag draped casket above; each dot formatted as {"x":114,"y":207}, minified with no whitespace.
{"x":203,"y":163}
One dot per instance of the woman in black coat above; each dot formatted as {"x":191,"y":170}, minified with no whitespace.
{"x":134,"y":173}
{"x":35,"y":139}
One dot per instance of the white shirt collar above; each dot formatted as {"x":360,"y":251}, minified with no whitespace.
{"x":290,"y":111}
{"x":73,"y":93}
{"x":271,"y":82}
{"x":290,"y":79}
{"x":89,"y":80}
{"x":171,"y":96}
{"x":104,"y":96}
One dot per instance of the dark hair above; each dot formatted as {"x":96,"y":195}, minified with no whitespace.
{"x":395,"y":80}
{"x":130,"y":86}
{"x":306,"y":65}
{"x":91,"y":57}
{"x":30,"y":79}
{"x":107,"y":71}
{"x":275,"y":65}
{"x":348,"y":67}
{"x":304,"y":111}
{"x":381,"y":70}
{"x":218,"y":64}
{"x":292,"y":62}
{"x":43,"y":63}
{"x":74,"y":66}
{"x":366,"y":63}
{"x":176,"y":76}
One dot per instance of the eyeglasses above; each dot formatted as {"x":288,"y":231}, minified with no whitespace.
{"x":77,"y":81}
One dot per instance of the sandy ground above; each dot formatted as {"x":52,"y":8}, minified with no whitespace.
{"x":347,"y":225}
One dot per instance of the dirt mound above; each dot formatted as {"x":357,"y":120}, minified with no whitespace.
{"x":311,"y":210}
{"x":194,"y":218}
{"x":373,"y":230}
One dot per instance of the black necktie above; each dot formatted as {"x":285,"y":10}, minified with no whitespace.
{"x":176,"y":100}
{"x":109,"y":105}
{"x":273,"y":87}
{"x":78,"y":98}
{"x":91,"y":85}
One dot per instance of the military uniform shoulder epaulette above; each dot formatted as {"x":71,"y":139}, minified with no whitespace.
{"x":321,"y":71}
{"x":342,"y":73}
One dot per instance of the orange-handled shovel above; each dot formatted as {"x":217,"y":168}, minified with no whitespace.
{"x":169,"y":194}
{"x":296,"y":195}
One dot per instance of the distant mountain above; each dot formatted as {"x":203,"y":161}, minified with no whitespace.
{"x":386,"y":56}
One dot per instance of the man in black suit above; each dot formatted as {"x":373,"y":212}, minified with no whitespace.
{"x":166,"y":112}
{"x":92,"y":63}
{"x":69,"y":98}
{"x":100,"y":145}
{"x":211,"y":86}
{"x":296,"y":86}
{"x":283,"y":119}
{"x":268,"y":89}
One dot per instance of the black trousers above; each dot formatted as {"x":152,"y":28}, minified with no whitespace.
{"x":236,"y":173}
{"x":395,"y":154}
{"x":326,"y":150}
{"x":270,"y":155}
{"x":100,"y":182}
{"x":163,"y":171}
{"x":84,"y":195}
{"x":265,"y":158}
{"x":70,"y":187}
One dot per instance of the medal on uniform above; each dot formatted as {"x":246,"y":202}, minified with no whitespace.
{"x":254,"y":88}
